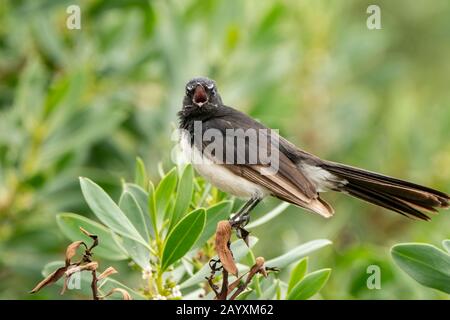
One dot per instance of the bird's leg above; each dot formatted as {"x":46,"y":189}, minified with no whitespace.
{"x":242,"y":217}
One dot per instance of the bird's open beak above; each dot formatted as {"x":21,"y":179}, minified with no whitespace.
{"x":200,"y":97}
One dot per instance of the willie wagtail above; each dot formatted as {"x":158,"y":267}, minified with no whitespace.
{"x":298,"y":177}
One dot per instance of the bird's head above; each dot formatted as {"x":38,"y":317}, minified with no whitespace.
{"x":200,"y":93}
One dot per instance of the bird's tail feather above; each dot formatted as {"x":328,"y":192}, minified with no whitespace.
{"x":401,"y":196}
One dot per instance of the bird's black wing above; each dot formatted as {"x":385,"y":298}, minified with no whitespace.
{"x":286,"y":182}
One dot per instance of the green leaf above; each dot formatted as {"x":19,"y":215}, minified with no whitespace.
{"x":269,"y":216}
{"x":139,"y":253}
{"x":182,"y":237}
{"x":108,"y":212}
{"x":134,"y":250}
{"x":142,"y":198}
{"x":425,"y":263}
{"x":214,"y":214}
{"x":163,"y":194}
{"x":297,"y":253}
{"x":70,"y":223}
{"x":446,"y":245}
{"x":298,"y":273}
{"x":310,"y":285}
{"x":140,"y":174}
{"x":239,"y":249}
{"x":244,"y":294}
{"x":271,"y":291}
{"x":152,"y":207}
{"x":129,"y":205}
{"x":184,"y":194}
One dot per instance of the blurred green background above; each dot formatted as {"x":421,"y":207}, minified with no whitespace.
{"x":87,"y":102}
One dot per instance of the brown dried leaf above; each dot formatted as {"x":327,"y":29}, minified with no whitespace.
{"x":109,"y":271}
{"x":125,"y":294}
{"x":235,"y":283}
{"x":71,"y":250}
{"x":223,"y":235}
{"x":92,"y":236}
{"x":55,"y":276}
{"x":224,"y":290}
{"x":258,"y":267}
{"x":91,"y":266}
{"x":66,"y":282}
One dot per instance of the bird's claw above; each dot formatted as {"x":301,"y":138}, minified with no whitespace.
{"x":213,"y":264}
{"x":238,"y":223}
{"x":241,"y":233}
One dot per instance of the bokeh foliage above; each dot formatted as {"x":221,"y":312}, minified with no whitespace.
{"x":86,"y":102}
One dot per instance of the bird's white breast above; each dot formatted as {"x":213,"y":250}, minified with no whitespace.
{"x":218,"y":175}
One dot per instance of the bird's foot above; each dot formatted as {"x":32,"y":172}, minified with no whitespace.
{"x":238,"y":223}
{"x":215,"y":265}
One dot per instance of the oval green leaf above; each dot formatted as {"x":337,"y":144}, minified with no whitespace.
{"x":298,"y":273}
{"x":297,"y":253}
{"x":141,"y":197}
{"x":214,"y":214}
{"x":425,"y":263}
{"x":108,"y":212}
{"x":129,"y":205}
{"x":163,"y":195}
{"x":184,"y":194}
{"x":270,"y":292}
{"x":182,"y":237}
{"x":137,"y":252}
{"x":310,"y":285}
{"x":269,"y":216}
{"x":140,"y":174}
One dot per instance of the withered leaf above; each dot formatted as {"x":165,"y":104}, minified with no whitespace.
{"x":53,"y":277}
{"x":235,"y":283}
{"x":258,"y":267}
{"x":91,"y":266}
{"x":109,"y":271}
{"x":71,"y":250}
{"x":92,"y":236}
{"x":223,"y":235}
{"x":125,"y":294}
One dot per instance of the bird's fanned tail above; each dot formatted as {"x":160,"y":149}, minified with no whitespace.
{"x":401,"y":196}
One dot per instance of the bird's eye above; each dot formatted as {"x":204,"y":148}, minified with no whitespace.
{"x":213,"y":91}
{"x":189,"y":90}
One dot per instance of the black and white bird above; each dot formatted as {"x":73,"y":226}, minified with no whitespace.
{"x":300,"y":176}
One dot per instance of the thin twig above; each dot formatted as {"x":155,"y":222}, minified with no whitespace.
{"x":224,"y":290}
{"x":94,"y":285}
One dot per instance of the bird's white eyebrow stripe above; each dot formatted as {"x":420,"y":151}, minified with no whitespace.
{"x":209,"y":86}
